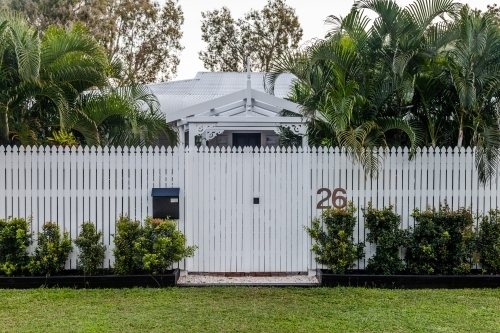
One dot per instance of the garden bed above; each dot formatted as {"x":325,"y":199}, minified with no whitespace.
{"x":98,"y":281}
{"x":327,"y":279}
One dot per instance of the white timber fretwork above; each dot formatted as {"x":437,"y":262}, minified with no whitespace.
{"x":246,"y":110}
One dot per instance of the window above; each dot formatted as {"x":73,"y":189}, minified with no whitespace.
{"x":246,"y":140}
{"x":221,"y":141}
{"x":271,"y":141}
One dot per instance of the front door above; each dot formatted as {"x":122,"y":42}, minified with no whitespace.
{"x":246,"y":140}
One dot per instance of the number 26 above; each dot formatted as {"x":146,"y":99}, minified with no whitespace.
{"x":335,"y":198}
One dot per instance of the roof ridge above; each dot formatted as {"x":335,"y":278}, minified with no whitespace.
{"x":171,"y":82}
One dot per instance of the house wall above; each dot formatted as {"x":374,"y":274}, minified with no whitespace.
{"x":217,"y":191}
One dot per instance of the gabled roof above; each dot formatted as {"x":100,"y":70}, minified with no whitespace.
{"x":206,"y":86}
{"x":247,"y":102}
{"x":216,"y":102}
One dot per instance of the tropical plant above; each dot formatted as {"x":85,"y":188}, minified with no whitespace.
{"x":473,"y":64}
{"x":124,"y":116}
{"x":46,"y":76}
{"x":51,"y":252}
{"x":17,"y":41}
{"x":357,"y":84}
{"x":64,"y":81}
{"x":333,"y":234}
{"x":91,"y":250}
{"x":14,"y":241}
{"x":63,"y":138}
{"x":423,"y":75}
{"x":143,"y":34}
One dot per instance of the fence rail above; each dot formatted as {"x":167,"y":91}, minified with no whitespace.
{"x":245,"y":209}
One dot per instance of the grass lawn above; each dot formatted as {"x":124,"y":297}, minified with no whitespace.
{"x":241,"y":309}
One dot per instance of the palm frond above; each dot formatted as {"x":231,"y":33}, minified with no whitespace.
{"x":424,"y":12}
{"x":487,"y":153}
{"x":27,"y":48}
{"x":354,"y":24}
{"x":413,"y":131}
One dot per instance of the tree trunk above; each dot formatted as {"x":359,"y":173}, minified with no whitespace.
{"x":460,"y":137}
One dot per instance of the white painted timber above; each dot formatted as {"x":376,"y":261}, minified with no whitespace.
{"x":70,"y":186}
{"x":206,"y":106}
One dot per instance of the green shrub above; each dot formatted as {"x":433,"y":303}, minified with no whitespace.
{"x":14,"y":241}
{"x":125,"y":251}
{"x":335,"y":245}
{"x":161,"y":245}
{"x":91,"y":250}
{"x":488,"y":242}
{"x":386,"y":234}
{"x":441,"y":242}
{"x":51,"y":252}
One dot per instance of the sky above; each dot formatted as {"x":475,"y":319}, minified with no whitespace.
{"x":311,"y":13}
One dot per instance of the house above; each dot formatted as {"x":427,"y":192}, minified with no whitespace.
{"x":226,"y":109}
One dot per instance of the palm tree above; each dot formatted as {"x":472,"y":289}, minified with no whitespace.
{"x":427,"y":74}
{"x":125,"y":116}
{"x":474,"y":70}
{"x":357,"y":85}
{"x":17,"y":43}
{"x":54,"y":83}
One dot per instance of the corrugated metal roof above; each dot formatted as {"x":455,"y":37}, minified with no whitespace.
{"x":176,"y":95}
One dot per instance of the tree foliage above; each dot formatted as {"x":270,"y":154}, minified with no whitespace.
{"x":261,"y":35}
{"x":423,"y":75}
{"x":63,"y":80}
{"x":62,"y":13}
{"x":142,"y":34}
{"x":146,"y":38}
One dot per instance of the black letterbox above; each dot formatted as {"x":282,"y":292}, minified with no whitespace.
{"x":165,"y":203}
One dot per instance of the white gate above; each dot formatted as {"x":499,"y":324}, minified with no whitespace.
{"x":247,"y":211}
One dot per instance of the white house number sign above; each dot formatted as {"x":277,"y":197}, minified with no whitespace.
{"x":338,"y":198}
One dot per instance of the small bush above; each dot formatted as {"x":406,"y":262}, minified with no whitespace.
{"x":161,"y":244}
{"x":488,"y":242}
{"x":14,"y":241}
{"x":51,"y":252}
{"x":441,"y":242}
{"x":335,"y":245}
{"x":91,"y":250}
{"x":126,"y":254}
{"x":386,"y":233}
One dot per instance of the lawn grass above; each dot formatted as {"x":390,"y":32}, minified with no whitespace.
{"x":245,"y":309}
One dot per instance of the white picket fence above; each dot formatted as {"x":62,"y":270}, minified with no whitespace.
{"x":217,"y":193}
